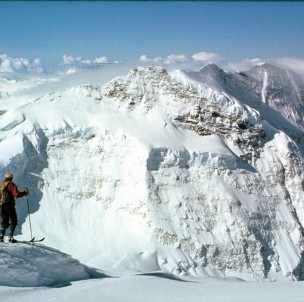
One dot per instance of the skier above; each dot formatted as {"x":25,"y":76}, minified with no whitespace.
{"x":7,"y":207}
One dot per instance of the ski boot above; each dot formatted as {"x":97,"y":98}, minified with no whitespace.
{"x":12,"y":239}
{"x":11,"y":235}
{"x":2,"y":233}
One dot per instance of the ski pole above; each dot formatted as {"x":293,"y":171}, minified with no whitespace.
{"x":28,"y":210}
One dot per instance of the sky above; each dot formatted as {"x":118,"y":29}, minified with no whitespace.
{"x":88,"y":33}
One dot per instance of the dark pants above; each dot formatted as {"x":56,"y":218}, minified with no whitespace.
{"x":9,"y":217}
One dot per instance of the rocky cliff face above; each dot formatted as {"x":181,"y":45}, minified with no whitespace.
{"x":195,"y":173}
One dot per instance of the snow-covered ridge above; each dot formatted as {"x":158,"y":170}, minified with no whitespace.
{"x":194,"y":173}
{"x":277,"y":94}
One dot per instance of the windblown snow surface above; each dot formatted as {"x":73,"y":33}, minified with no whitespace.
{"x":159,"y":186}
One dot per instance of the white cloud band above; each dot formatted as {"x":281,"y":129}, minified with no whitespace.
{"x":19,"y":65}
{"x":182,"y":58}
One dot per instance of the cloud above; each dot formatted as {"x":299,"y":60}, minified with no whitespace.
{"x":146,"y":59}
{"x":206,"y":56}
{"x":68,"y":60}
{"x":296,"y":64}
{"x":243,"y":65}
{"x":71,"y":70}
{"x":76,"y":64}
{"x":101,"y":60}
{"x":171,"y":59}
{"x":19,"y":65}
{"x":80,"y":62}
{"x":182,"y":60}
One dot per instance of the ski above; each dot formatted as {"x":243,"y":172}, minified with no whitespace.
{"x":38,"y":240}
{"x":33,"y":240}
{"x":24,"y":241}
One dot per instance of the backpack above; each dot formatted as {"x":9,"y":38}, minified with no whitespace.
{"x":4,"y":194}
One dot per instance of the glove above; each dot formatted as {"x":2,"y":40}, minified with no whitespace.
{"x":26,"y":191}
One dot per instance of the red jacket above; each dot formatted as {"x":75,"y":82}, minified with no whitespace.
{"x":13,"y":191}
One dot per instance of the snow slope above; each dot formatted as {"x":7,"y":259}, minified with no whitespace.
{"x":189,"y":173}
{"x":24,"y":265}
{"x":158,"y":287}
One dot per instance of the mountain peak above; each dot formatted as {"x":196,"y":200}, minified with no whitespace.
{"x":197,"y":173}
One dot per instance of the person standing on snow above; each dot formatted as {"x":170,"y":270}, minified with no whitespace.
{"x":7,"y":207}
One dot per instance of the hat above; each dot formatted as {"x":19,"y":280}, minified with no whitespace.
{"x":9,"y":176}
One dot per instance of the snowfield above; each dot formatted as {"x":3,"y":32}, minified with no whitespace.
{"x":39,"y":273}
{"x":157,"y":186}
